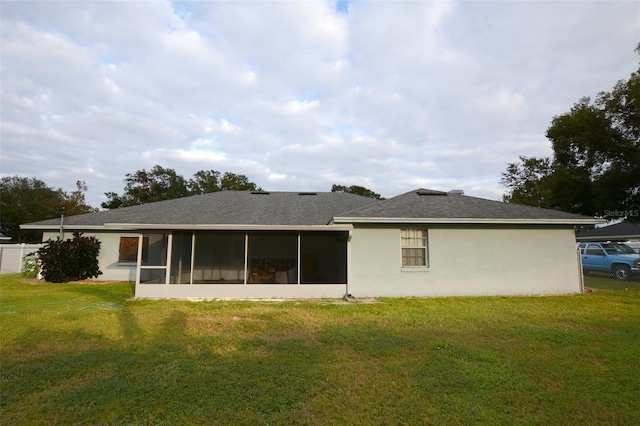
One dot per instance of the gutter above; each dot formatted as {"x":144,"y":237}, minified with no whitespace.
{"x":65,"y":226}
{"x":190,"y":227}
{"x":227,"y":227}
{"x":445,"y":220}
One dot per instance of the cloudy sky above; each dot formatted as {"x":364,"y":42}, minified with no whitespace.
{"x":299,"y":95}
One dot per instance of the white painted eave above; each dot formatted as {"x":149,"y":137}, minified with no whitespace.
{"x":65,"y":227}
{"x":342,"y":223}
{"x":459,"y":221}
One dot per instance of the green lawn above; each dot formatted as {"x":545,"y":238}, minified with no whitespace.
{"x":606,"y":281}
{"x":88,"y":354}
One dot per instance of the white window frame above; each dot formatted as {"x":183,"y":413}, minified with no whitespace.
{"x":166,"y":267}
{"x":410,"y":240}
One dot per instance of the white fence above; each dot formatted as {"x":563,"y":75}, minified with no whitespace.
{"x":12,"y":256}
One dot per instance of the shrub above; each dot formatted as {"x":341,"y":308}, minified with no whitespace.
{"x":71,"y":260}
{"x":31,"y":264}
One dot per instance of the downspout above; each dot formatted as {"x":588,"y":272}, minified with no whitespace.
{"x":346,"y":287}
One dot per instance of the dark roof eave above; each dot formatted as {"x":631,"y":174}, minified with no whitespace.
{"x":608,"y":238}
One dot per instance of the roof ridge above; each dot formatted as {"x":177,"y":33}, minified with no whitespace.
{"x":374,"y":201}
{"x":382,"y":201}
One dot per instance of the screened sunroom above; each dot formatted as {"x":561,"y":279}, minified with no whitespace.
{"x":225,"y":263}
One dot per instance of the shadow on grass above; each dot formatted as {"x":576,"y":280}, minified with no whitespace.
{"x":170,"y":378}
{"x":273,"y":375}
{"x":111,"y":295}
{"x":107,"y":291}
{"x":234,"y":363}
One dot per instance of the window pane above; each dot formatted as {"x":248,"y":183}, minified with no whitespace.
{"x":414,"y":247}
{"x":323,"y":257}
{"x":413,"y":257}
{"x":413,"y":238}
{"x":152,"y":276}
{"x":273,"y":257}
{"x":154,"y":253}
{"x":181,"y":258}
{"x":128,"y":249}
{"x":219,"y":258}
{"x":595,"y":250}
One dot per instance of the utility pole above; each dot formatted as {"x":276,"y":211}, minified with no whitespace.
{"x":62,"y":210}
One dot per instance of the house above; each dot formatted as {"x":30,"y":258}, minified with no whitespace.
{"x":626,"y":232}
{"x":320,"y":244}
{"x":623,"y":231}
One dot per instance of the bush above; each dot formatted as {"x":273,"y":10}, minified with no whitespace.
{"x":31,"y":265}
{"x":70,"y":260}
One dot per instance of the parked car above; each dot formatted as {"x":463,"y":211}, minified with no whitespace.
{"x":618,"y":258}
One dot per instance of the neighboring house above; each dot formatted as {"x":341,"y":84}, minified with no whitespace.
{"x":302,"y":245}
{"x":623,"y":231}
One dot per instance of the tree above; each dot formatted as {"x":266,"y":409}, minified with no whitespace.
{"x":358,"y":190}
{"x":164,"y":184}
{"x":144,"y":186}
{"x":234,"y":182}
{"x":204,"y":181}
{"x":595,"y":169}
{"x":24,"y":200}
{"x":527,"y":181}
{"x":74,"y":202}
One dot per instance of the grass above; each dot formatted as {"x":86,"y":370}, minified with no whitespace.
{"x":607,"y":281}
{"x":89,"y":354}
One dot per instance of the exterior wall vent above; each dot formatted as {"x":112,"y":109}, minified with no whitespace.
{"x":456,"y":192}
{"x":430,"y":192}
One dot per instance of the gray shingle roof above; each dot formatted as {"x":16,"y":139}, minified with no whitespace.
{"x":309,"y":209}
{"x":429,"y":204}
{"x":227,"y":208}
{"x":624,"y":230}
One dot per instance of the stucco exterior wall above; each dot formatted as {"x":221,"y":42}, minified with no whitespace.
{"x":240,"y":291}
{"x":112,"y":270}
{"x":463,"y":261}
{"x":466,"y":261}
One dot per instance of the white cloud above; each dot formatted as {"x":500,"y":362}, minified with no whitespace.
{"x":299,"y":95}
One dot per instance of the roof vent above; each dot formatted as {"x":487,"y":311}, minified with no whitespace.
{"x":307,"y":193}
{"x":456,"y":192}
{"x":430,"y":192}
{"x":260,"y":192}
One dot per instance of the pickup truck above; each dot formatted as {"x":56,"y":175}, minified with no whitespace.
{"x":618,"y":258}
